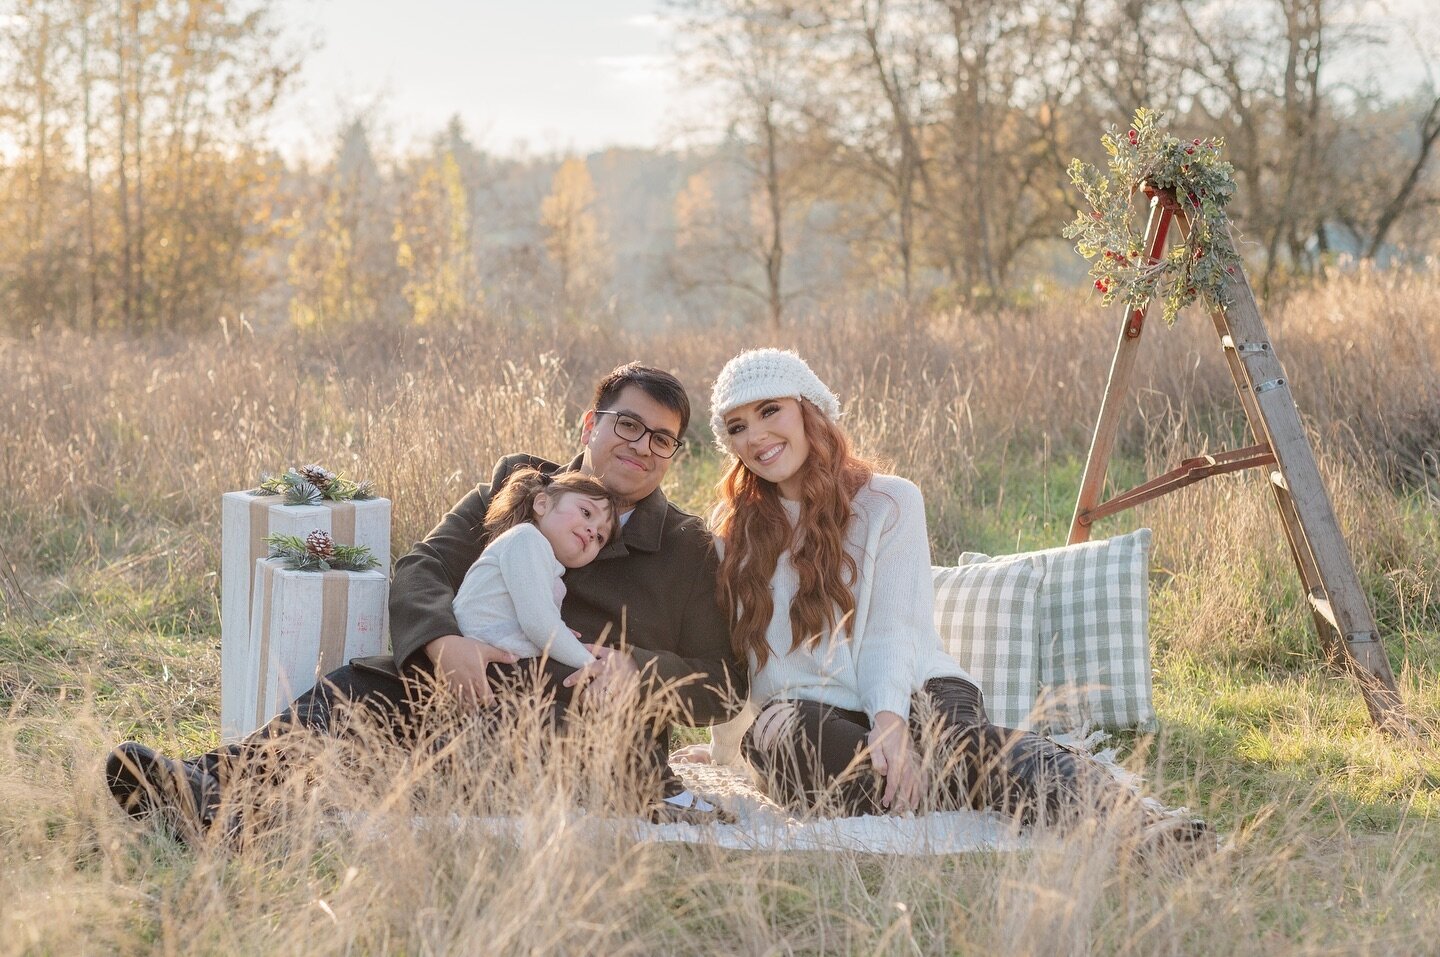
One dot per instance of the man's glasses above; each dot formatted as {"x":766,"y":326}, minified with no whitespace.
{"x":632,"y":429}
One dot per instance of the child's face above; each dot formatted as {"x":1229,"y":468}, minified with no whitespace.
{"x":575,"y":525}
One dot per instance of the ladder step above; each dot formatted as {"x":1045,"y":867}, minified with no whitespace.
{"x":1321,"y":604}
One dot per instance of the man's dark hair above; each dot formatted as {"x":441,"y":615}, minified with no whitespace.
{"x":658,"y":384}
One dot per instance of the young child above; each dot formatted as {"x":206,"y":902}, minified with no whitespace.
{"x":540,"y":525}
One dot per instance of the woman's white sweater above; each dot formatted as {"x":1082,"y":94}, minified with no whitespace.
{"x":893,"y":648}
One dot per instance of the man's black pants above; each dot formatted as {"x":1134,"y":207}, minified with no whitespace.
{"x":405,"y":709}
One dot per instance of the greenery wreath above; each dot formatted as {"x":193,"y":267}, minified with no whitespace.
{"x":310,"y":484}
{"x":318,"y":552}
{"x":1199,"y":180}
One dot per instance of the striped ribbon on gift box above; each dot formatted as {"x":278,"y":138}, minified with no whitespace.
{"x":246,"y":519}
{"x":305,"y":624}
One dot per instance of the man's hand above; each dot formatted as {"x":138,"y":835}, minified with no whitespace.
{"x":892,"y":756}
{"x":460,"y":666}
{"x":610,"y":672}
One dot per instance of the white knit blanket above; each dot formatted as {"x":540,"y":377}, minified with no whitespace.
{"x":762,"y":825}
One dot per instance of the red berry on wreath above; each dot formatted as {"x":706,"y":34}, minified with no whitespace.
{"x":1134,"y":137}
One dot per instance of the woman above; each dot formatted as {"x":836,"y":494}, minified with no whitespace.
{"x":826,"y":576}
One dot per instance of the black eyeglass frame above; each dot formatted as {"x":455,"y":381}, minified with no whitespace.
{"x":644,"y":431}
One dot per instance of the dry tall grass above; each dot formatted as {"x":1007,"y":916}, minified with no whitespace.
{"x":372,"y":852}
{"x":116,"y":452}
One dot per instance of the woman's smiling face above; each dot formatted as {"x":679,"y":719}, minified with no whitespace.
{"x":769,"y":439}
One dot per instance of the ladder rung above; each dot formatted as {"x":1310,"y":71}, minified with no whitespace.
{"x":1188,"y":472}
{"x":1243,"y":349}
{"x":1321,"y":604}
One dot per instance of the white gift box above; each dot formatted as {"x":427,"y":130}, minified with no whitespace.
{"x":303,"y":625}
{"x":246,"y":519}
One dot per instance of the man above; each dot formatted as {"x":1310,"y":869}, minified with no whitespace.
{"x":646,"y":604}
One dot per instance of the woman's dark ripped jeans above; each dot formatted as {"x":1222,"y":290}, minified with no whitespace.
{"x":813,"y":758}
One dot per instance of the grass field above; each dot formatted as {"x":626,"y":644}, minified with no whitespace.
{"x":116,"y":453}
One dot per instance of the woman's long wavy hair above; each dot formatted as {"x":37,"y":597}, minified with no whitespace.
{"x":752,"y":523}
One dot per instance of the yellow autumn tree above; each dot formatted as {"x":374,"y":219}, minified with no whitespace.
{"x":432,"y":243}
{"x":573,"y":239}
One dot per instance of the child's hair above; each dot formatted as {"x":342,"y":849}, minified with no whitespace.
{"x":515,"y":501}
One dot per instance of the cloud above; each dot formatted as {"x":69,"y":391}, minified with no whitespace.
{"x":648,"y":21}
{"x":637,"y":68}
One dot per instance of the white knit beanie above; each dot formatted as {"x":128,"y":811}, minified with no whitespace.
{"x":766,"y":374}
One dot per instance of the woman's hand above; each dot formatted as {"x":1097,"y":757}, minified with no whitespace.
{"x":892,"y":755}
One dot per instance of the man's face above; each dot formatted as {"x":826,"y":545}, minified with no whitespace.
{"x":628,"y":469}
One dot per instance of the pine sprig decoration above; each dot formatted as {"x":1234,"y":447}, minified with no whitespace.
{"x":312,"y":484}
{"x":1201,"y":182}
{"x":318,"y":552}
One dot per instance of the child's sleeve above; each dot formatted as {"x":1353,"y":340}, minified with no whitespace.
{"x":528,"y":570}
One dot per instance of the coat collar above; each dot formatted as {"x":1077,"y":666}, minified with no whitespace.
{"x":644,"y":530}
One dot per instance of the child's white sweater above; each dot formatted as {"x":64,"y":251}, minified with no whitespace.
{"x":511,"y":599}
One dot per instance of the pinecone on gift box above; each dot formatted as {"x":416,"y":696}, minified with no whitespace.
{"x":319,"y":544}
{"x":317,"y":475}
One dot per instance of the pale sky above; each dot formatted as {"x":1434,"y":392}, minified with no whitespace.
{"x":556,"y":76}
{"x":548,"y":75}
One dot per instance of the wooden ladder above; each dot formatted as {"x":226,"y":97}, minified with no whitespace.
{"x":1346,"y":628}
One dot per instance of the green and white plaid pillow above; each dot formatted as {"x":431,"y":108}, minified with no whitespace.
{"x":1094,"y":628}
{"x":986,"y":616}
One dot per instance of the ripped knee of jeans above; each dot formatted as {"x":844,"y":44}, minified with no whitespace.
{"x":772,"y":724}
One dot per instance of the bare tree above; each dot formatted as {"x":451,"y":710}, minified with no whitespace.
{"x":751,"y":51}
{"x":1427,"y":133}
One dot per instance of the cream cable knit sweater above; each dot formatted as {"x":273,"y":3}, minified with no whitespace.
{"x":894,"y":647}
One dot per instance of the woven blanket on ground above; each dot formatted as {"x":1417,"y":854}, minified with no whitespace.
{"x":762,"y":825}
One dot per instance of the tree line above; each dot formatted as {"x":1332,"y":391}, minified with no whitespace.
{"x":939,"y":130}
{"x":904,"y":154}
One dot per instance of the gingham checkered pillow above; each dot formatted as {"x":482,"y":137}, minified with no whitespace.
{"x":986,"y":615}
{"x":1094,"y":628}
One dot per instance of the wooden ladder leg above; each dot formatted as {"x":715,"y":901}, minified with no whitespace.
{"x":1319,"y":530}
{"x":1331,"y":641}
{"x":1325,"y":628}
{"x":1117,"y":387}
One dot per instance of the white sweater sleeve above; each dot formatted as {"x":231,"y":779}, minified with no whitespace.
{"x":900,"y":619}
{"x":528,"y":570}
